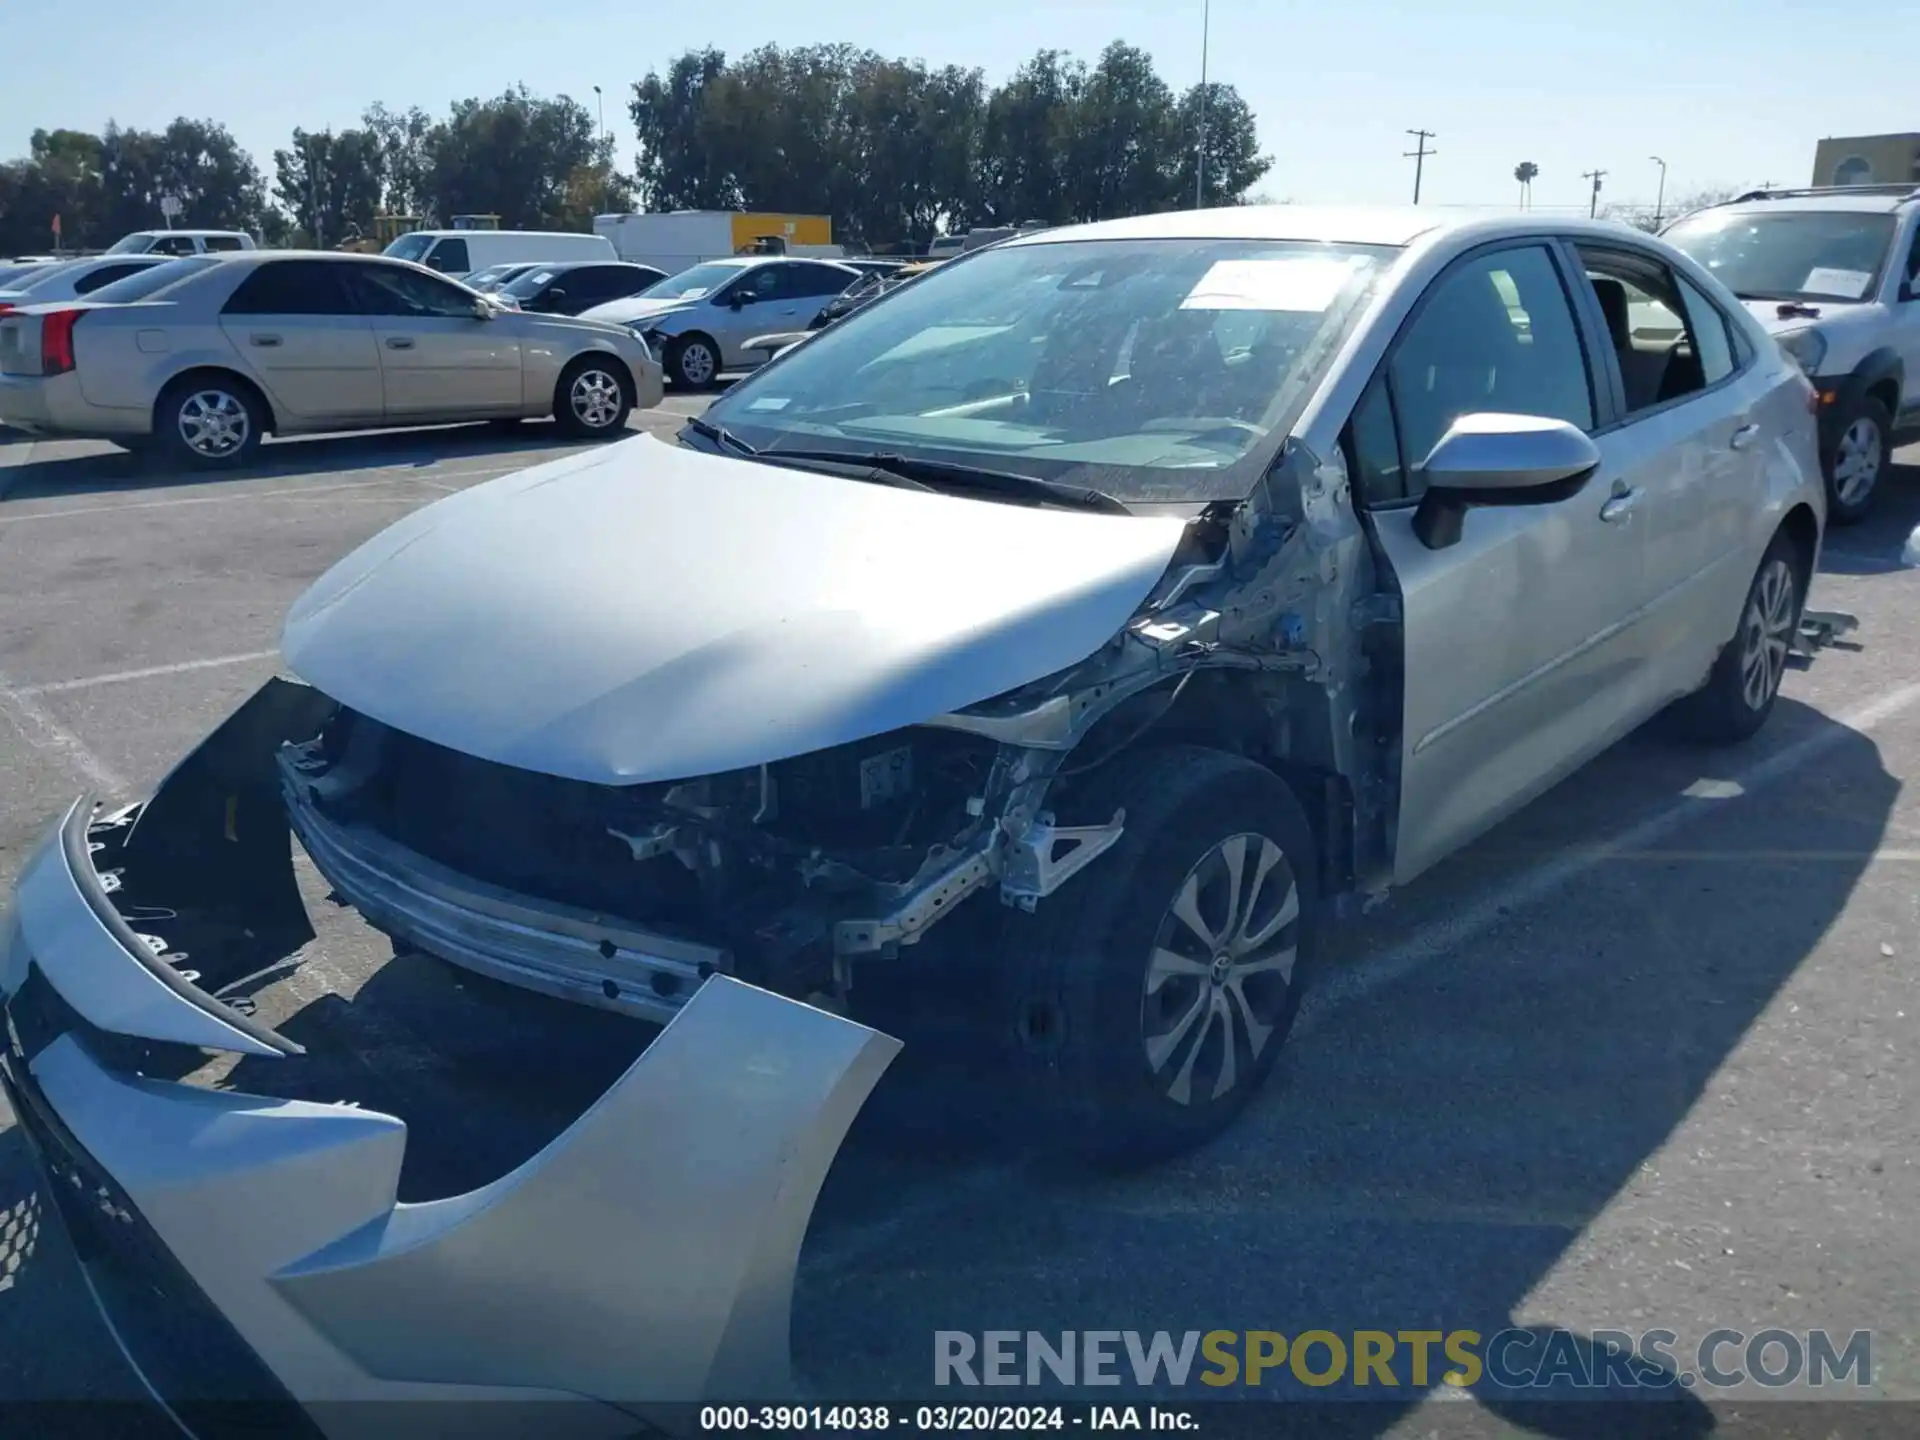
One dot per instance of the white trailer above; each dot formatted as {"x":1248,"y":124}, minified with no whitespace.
{"x":674,"y":240}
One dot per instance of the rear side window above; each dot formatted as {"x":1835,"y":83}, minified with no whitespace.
{"x":106,"y":275}
{"x":291,"y":287}
{"x":152,"y":281}
{"x":820,"y":280}
{"x":224,"y":242}
{"x":449,"y":257}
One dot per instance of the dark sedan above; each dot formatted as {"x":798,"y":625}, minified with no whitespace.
{"x":572,"y":287}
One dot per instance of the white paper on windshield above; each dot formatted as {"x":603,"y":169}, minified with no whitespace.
{"x":1850,"y":283}
{"x":1302,"y":284}
{"x":770,"y":402}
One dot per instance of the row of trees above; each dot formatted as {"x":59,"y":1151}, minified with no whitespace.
{"x":894,"y":150}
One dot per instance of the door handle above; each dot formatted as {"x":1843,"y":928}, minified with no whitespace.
{"x":1744,"y":436}
{"x":1620,"y":507}
{"x":265,"y":342}
{"x":399,"y":342}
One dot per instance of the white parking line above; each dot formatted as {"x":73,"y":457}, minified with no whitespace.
{"x":1447,"y":937}
{"x":151,"y":672}
{"x":43,"y":732}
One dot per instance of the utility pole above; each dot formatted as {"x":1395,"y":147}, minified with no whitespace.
{"x":316,"y":190}
{"x":1419,"y":158}
{"x":1659,"y":200}
{"x":1200,"y":150}
{"x":1593,"y":205}
{"x":606,"y":184}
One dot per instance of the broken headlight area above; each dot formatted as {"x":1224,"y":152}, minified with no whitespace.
{"x":627,"y":897}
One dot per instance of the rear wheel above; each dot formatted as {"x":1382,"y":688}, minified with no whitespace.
{"x":1857,"y":460}
{"x":592,"y":399}
{"x":1745,"y":680}
{"x":209,"y":421}
{"x":1153,"y":993}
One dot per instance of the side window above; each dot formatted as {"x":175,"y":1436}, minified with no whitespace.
{"x":1669,"y":341}
{"x":290,"y":287}
{"x":770,"y":282}
{"x":105,"y":275}
{"x":592,"y":284}
{"x":1712,"y":341}
{"x":449,"y":257}
{"x":389,"y":290}
{"x":217,"y":243}
{"x":1373,"y":448}
{"x":1913,"y":266}
{"x":819,"y":279}
{"x":1496,"y":334}
{"x":174,"y":245}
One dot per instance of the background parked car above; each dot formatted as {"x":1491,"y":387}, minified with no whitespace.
{"x":74,"y":278}
{"x":489,"y":280}
{"x":291,"y":341}
{"x":574,"y":288}
{"x":14,"y":274}
{"x":461,"y":252}
{"x":181,"y":242}
{"x":700,"y":321}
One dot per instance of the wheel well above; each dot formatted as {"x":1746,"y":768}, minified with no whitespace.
{"x":1803,"y":532}
{"x":214,"y":372}
{"x":1222,"y":710}
{"x":1887,"y":391}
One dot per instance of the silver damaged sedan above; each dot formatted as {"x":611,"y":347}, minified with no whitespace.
{"x":1108,"y":612}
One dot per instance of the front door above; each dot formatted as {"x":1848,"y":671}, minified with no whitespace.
{"x":1906,"y":327}
{"x":439,"y":358}
{"x":1518,"y":666}
{"x":300,"y":334}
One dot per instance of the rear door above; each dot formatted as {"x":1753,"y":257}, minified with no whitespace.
{"x":299,"y":332}
{"x":1906,"y":324}
{"x":1687,"y":440}
{"x":439,"y":356}
{"x":1519,"y":665}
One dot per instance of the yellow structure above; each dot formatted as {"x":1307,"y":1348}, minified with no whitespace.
{"x":794,"y":229}
{"x":1868,"y":160}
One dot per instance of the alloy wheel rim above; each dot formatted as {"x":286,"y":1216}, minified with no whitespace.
{"x":1856,"y":466}
{"x":595,"y":398}
{"x":1767,"y":635}
{"x":213,"y":423}
{"x":1221,"y":965}
{"x":696,"y":363}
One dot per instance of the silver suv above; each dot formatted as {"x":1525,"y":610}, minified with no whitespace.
{"x":1834,"y":274}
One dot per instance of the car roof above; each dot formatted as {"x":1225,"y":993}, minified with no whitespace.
{"x":1868,"y":200}
{"x":1396,"y":226}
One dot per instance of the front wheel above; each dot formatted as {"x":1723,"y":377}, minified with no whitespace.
{"x":1154,"y":992}
{"x":592,"y":400}
{"x":693,"y":362}
{"x":1745,"y":680}
{"x":1858,"y":458}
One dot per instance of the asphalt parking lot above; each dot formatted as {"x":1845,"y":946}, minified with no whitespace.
{"x":1645,"y":1057}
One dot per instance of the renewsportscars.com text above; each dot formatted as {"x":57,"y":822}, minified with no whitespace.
{"x":1511,"y":1359}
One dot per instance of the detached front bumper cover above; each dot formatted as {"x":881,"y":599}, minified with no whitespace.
{"x":645,"y":1258}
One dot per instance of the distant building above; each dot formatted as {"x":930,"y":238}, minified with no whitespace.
{"x":1868,"y":160}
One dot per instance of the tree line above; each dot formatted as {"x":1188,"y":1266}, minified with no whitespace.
{"x":895,"y":151}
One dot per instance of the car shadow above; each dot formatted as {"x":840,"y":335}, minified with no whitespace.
{"x":1874,"y":546}
{"x":335,"y":455}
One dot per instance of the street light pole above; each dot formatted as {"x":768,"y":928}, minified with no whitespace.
{"x":1660,"y":200}
{"x":606,"y":183}
{"x":1200,"y":151}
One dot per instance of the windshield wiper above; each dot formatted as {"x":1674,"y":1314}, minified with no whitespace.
{"x":720,"y":435}
{"x":945,"y":475}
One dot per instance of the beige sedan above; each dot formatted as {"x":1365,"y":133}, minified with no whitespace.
{"x":201,"y":357}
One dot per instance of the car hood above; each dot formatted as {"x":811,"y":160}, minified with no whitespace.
{"x":646,"y":612}
{"x":625,"y":312}
{"x":1767,"y":312}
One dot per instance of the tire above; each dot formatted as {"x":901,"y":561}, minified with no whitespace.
{"x":1745,"y":680}
{"x":209,"y":422}
{"x":693,"y":361}
{"x":1120,"y":1025}
{"x":593,"y":398}
{"x":1856,"y":462}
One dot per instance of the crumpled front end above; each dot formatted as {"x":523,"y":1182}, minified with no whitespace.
{"x":253,"y":1252}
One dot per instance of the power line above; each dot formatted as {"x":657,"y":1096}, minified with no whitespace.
{"x":1593,"y":205}
{"x":1419,"y":158}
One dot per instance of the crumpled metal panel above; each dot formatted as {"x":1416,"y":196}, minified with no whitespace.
{"x":646,"y":1256}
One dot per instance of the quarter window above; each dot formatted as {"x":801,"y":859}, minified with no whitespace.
{"x":1711,"y":339}
{"x":1495,"y":334}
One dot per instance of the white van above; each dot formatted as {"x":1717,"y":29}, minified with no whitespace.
{"x":461,"y":252}
{"x":181,"y":242}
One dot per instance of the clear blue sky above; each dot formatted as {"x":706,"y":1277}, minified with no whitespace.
{"x":1726,"y":92}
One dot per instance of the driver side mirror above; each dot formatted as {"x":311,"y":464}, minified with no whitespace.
{"x":1492,"y":459}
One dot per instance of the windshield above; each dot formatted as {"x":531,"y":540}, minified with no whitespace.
{"x":1150,"y":369}
{"x":493,"y":275}
{"x":695,"y":284}
{"x":144,"y":284}
{"x":1791,"y":254}
{"x":410,"y":247}
{"x":525,"y":287}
